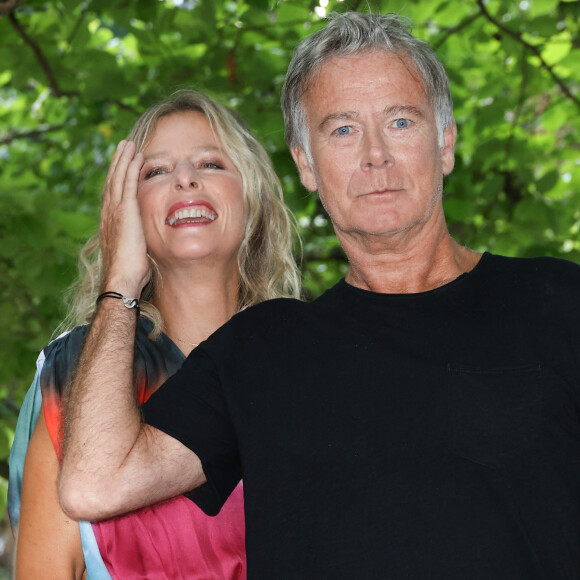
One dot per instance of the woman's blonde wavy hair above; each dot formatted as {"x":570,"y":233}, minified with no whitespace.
{"x":265,"y":258}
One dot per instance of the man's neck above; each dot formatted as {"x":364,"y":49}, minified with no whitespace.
{"x":410,"y":268}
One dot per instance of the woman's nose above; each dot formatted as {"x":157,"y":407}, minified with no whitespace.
{"x":186,"y":177}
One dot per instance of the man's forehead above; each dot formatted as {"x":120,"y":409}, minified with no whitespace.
{"x":366,"y":55}
{"x":360,"y":78}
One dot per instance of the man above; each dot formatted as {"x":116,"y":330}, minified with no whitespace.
{"x":419,"y":420}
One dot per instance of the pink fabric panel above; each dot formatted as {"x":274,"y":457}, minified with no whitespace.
{"x":175,"y":540}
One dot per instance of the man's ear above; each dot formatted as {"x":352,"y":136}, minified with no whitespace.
{"x":304,"y":168}
{"x":448,"y":149}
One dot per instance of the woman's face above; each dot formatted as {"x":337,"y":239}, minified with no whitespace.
{"x":190,"y":194}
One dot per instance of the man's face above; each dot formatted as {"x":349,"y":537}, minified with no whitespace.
{"x":376,"y":161}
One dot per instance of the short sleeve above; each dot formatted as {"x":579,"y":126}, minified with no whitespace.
{"x":61,"y":359}
{"x":191,"y":408}
{"x":24,"y":427}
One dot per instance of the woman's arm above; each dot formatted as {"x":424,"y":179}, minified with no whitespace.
{"x":113,"y":463}
{"x":48,"y":541}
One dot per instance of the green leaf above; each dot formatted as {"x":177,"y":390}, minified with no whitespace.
{"x":556,"y":50}
{"x":539,"y":7}
{"x":6,"y":437}
{"x":457,"y":209}
{"x":544,"y":25}
{"x":76,"y":225}
{"x":259,"y":4}
{"x":547,"y":182}
{"x":291,"y":12}
{"x":513,"y":189}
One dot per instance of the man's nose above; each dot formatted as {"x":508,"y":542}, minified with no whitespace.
{"x":376,"y":151}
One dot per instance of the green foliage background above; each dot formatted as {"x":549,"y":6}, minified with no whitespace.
{"x":74,"y":76}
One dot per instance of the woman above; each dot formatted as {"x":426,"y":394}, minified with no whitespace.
{"x":218,"y":238}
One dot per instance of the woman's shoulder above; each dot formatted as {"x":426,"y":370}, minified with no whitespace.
{"x":155,"y":361}
{"x":60,"y":358}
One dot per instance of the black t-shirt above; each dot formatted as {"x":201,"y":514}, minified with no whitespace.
{"x":413,"y":436}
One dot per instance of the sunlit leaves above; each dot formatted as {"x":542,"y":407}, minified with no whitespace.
{"x":74,"y":87}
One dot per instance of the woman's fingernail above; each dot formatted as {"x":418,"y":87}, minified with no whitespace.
{"x":121,"y":145}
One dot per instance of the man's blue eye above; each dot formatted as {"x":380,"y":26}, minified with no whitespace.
{"x":343,"y":130}
{"x":402,"y":123}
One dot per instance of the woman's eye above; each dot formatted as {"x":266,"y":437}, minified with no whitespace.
{"x":401,"y":123}
{"x":344,"y":130}
{"x":211,"y":165}
{"x":153,"y":172}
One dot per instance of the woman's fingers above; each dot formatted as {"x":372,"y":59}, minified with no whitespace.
{"x":115,"y":159}
{"x":131,"y":182}
{"x":111,"y":171}
{"x":122,"y":183}
{"x":123,"y":245}
{"x":119,"y":174}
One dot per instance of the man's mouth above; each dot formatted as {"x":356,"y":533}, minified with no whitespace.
{"x":383,"y":191}
{"x":192,"y":214}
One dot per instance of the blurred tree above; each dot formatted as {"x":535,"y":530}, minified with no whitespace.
{"x":75,"y":75}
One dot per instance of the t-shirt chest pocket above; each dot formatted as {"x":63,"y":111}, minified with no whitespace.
{"x":495,"y":413}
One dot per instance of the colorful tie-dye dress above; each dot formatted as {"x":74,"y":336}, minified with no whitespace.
{"x":171,"y":540}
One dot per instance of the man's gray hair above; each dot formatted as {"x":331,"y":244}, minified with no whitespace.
{"x":354,"y":32}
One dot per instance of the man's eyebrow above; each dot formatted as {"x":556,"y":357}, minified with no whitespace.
{"x":403,"y":110}
{"x":353,"y":115}
{"x":344,"y":116}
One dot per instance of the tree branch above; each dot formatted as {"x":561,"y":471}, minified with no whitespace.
{"x":44,"y":64}
{"x":520,"y":103}
{"x":7,"y":6}
{"x":126,"y":107}
{"x":78,"y":23}
{"x":533,"y":49}
{"x":4,"y":471}
{"x":9,"y":403}
{"x":454,"y":29}
{"x":32,"y":133}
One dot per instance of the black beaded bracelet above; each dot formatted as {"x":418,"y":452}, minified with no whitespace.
{"x":128,"y":302}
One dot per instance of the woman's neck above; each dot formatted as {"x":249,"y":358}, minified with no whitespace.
{"x":195,"y":302}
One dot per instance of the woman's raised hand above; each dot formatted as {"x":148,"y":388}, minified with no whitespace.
{"x":123,"y":246}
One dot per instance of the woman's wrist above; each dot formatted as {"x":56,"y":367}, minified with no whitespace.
{"x":128,"y":301}
{"x":122,"y":286}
